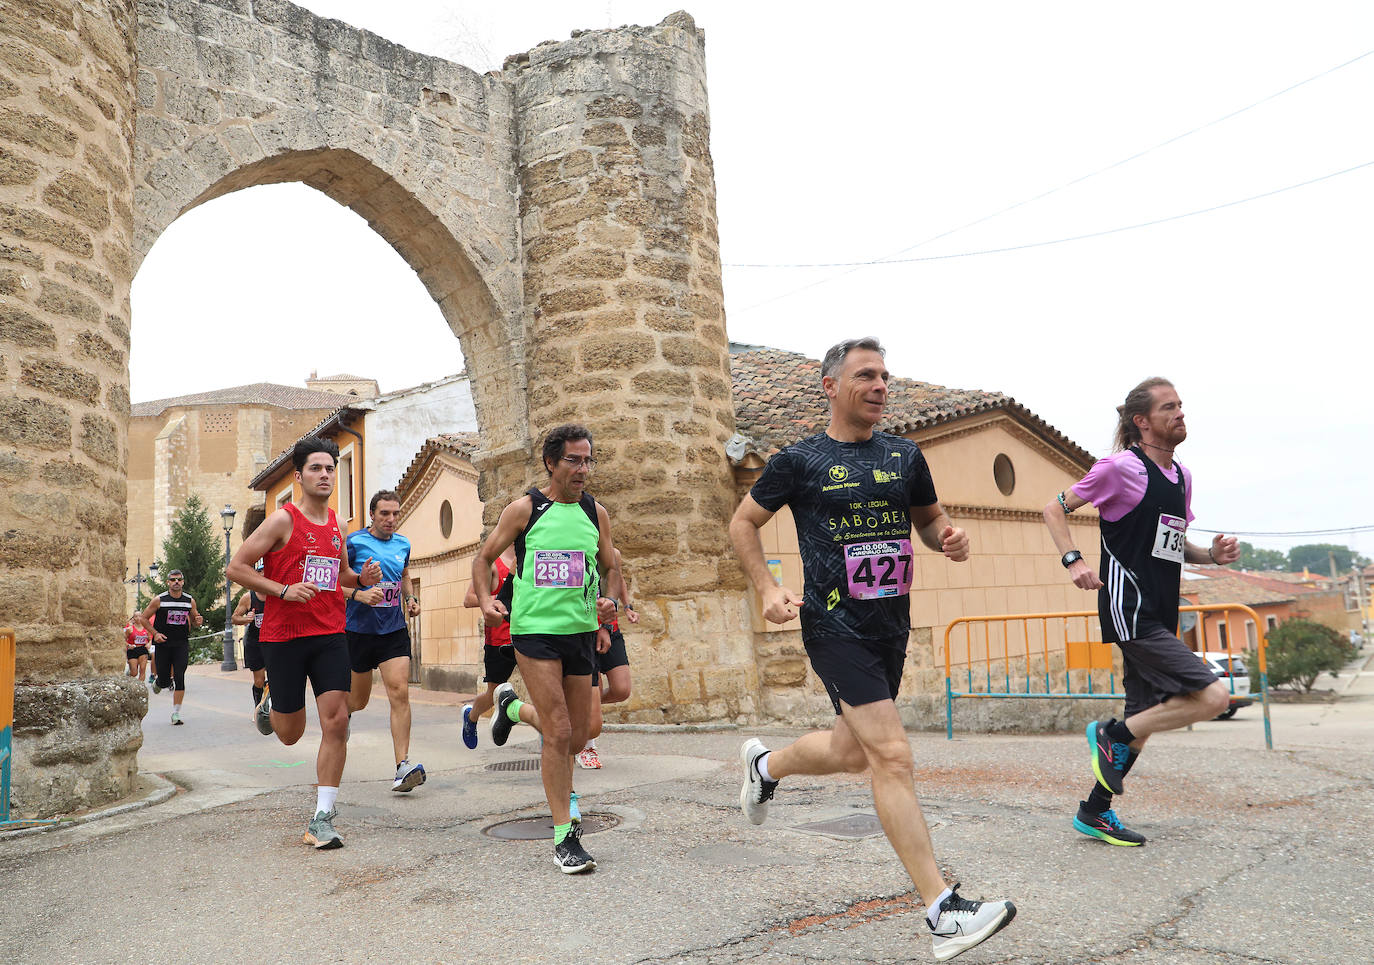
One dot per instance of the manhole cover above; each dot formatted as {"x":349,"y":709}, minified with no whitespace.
{"x":860,"y":825}
{"x":529,"y":764}
{"x":534,"y":829}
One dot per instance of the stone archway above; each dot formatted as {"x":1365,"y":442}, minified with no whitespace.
{"x":561,"y":212}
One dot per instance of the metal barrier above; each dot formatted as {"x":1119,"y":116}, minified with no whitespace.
{"x":7,"y":654}
{"x":1083,"y":651}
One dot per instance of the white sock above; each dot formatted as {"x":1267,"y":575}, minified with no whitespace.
{"x":325,"y":798}
{"x":933,"y":912}
{"x":762,"y":765}
{"x":590,"y":745}
{"x":176,"y":708}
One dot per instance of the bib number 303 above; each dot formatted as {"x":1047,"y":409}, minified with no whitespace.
{"x":559,"y":568}
{"x":1170,"y":538}
{"x":323,"y":571}
{"x":879,"y":569}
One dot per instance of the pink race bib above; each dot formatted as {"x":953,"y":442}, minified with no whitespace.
{"x":323,"y":571}
{"x":878,"y":569}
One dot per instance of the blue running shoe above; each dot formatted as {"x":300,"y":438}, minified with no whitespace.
{"x":1107,"y":761}
{"x":469,"y":728}
{"x":1106,"y":827}
{"x":408,"y":776}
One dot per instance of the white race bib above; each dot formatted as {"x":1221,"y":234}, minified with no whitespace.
{"x":1169,"y":538}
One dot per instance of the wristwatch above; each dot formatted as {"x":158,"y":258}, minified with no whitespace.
{"x":1070,"y":558}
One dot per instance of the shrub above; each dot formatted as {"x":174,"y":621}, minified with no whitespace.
{"x":1300,"y":651}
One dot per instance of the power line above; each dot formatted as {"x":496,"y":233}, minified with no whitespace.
{"x":1341,"y":531}
{"x":1086,"y":235}
{"x":855,"y":266}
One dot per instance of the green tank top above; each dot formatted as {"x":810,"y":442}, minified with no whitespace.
{"x":555,"y":583}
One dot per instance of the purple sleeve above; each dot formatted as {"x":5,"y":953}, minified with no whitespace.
{"x":1112,"y":487}
{"x":1187,"y":493}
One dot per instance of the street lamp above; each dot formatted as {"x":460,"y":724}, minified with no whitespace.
{"x":226,"y":516}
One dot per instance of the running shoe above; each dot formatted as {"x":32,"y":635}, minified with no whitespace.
{"x":961,"y":923}
{"x":755,"y":793}
{"x":500,"y":723}
{"x":157,"y":689}
{"x":574,"y":812}
{"x":1106,"y":826}
{"x":408,"y":776}
{"x":587,"y":759}
{"x":321,"y":831}
{"x":176,"y":718}
{"x":469,"y":728}
{"x":262,"y":716}
{"x":570,"y":856}
{"x":1108,"y":757}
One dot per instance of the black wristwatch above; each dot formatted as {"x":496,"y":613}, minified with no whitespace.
{"x":1070,"y":558}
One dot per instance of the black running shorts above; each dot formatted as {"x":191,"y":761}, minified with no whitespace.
{"x":323,"y":659}
{"x":133,"y":653}
{"x":577,"y":651}
{"x":858,"y":672}
{"x":169,"y":660}
{"x":499,"y":662}
{"x":252,"y":652}
{"x":612,"y":658}
{"x":1160,"y":666}
{"x":368,"y":651}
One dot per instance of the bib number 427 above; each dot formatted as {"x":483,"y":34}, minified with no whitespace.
{"x":879,"y":569}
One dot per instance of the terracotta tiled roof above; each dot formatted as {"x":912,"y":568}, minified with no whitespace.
{"x":463,"y":444}
{"x":1290,"y":583}
{"x":1232,"y":588}
{"x":259,"y":393}
{"x":778,"y":400}
{"x":343,"y":378}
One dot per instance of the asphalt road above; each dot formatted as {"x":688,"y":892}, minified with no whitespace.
{"x":1254,"y":856}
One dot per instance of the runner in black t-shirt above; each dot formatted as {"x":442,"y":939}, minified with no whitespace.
{"x":857,"y":496}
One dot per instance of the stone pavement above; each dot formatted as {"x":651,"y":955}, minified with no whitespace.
{"x":1254,"y":856}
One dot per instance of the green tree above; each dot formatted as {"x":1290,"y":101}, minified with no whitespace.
{"x":1255,"y":558}
{"x":195,"y":546}
{"x":1316,"y":558}
{"x":1299,"y":651}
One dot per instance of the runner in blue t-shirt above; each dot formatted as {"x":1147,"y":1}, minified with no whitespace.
{"x":377,"y":635}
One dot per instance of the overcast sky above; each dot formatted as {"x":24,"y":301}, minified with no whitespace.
{"x":883,"y":133}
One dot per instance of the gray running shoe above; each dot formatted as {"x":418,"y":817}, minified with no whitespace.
{"x":321,"y":831}
{"x":263,"y":715}
{"x":500,"y":723}
{"x":156,"y":688}
{"x":962,"y":924}
{"x":176,"y":718}
{"x":408,"y":776}
{"x":570,"y":856}
{"x":755,"y":792}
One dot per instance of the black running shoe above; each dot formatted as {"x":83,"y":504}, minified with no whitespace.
{"x":569,"y":854}
{"x":500,"y":723}
{"x":1106,"y":826}
{"x":1108,"y":757}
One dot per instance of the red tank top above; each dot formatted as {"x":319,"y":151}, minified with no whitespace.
{"x":312,"y":555}
{"x":498,"y":636}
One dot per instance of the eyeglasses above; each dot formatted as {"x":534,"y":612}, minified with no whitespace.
{"x":577,"y":462}
{"x":175,"y":579}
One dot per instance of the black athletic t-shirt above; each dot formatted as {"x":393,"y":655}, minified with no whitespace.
{"x":173,"y":617}
{"x":850,"y":502}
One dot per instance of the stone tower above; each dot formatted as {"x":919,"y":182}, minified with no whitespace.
{"x":561,"y":212}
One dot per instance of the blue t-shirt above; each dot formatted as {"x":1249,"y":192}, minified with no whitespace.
{"x":392,"y":555}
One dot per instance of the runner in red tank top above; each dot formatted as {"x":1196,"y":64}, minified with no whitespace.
{"x":498,"y":656}
{"x":304,"y":581}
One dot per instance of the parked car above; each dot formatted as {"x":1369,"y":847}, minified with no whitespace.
{"x":1232,"y":671}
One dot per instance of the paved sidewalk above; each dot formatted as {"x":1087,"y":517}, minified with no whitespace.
{"x":1254,"y":856}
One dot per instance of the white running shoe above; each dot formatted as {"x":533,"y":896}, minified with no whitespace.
{"x":755,"y":793}
{"x":962,"y":924}
{"x":408,"y":776}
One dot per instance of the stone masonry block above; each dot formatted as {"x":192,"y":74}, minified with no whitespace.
{"x":18,"y":327}
{"x":73,"y":195}
{"x":619,"y":351}
{"x":34,"y":423}
{"x":62,"y":300}
{"x":53,"y":377}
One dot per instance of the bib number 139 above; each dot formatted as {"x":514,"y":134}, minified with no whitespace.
{"x":1170,"y":538}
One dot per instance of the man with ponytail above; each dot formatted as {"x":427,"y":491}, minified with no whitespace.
{"x":1143,"y":496}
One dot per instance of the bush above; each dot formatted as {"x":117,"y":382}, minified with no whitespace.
{"x":1300,"y":651}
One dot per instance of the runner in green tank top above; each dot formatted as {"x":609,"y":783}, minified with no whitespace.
{"x":560,"y":535}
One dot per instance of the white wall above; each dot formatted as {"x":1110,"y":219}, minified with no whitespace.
{"x":401,"y":422}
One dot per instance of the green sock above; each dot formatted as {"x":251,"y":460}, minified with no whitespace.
{"x":513,"y":714}
{"x":561,"y":831}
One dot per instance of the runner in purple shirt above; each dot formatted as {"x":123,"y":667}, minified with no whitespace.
{"x":1144,"y":499}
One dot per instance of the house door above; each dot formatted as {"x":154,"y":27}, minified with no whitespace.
{"x":413,"y":625}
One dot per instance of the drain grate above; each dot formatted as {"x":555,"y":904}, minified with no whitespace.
{"x":859,"y":825}
{"x":529,"y":764}
{"x":535,"y":829}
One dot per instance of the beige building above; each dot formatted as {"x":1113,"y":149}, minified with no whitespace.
{"x":995,"y":465}
{"x":211,"y":444}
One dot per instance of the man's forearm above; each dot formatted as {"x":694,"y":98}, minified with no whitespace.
{"x":930,"y":532}
{"x":744,"y":536}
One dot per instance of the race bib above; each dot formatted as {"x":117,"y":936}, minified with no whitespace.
{"x":323,"y":571}
{"x":257,"y":620}
{"x":559,"y":568}
{"x":1169,"y":538}
{"x":878,"y":569}
{"x":391,"y":594}
{"x":176,"y":618}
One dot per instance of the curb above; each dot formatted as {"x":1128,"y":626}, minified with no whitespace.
{"x":163,"y":790}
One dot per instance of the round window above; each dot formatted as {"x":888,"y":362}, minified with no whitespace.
{"x":445,"y":519}
{"x":1004,"y":474}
